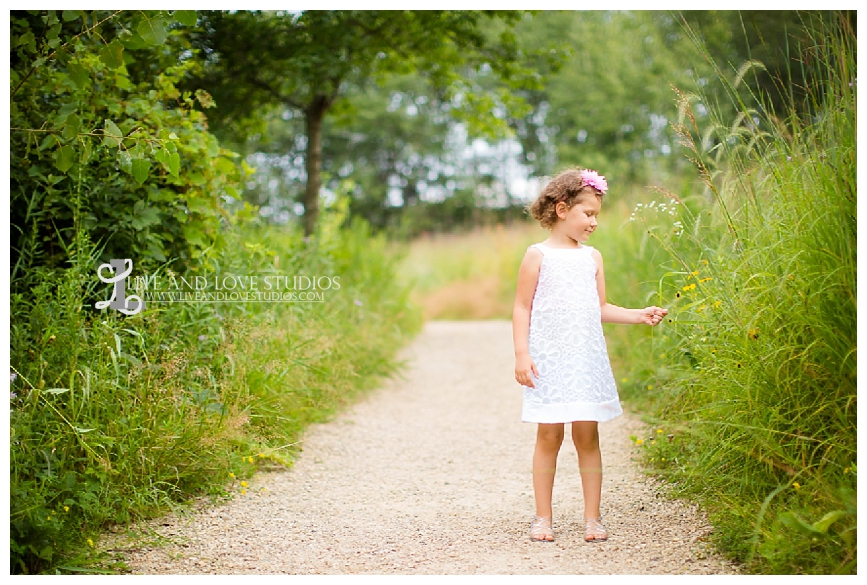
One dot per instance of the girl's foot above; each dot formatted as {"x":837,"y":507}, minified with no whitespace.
{"x":541,"y":529}
{"x":594,"y":531}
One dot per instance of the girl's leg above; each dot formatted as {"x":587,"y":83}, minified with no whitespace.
{"x":585,"y":435}
{"x":549,"y":437}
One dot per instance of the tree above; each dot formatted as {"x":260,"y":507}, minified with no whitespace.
{"x":307,"y":61}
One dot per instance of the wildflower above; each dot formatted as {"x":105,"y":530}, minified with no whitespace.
{"x":689,"y":287}
{"x":797,"y":485}
{"x":358,"y":302}
{"x":623,"y":380}
{"x":90,"y":542}
{"x":677,"y":295}
{"x":650,"y":386}
{"x":48,"y":517}
{"x":753,"y":333}
{"x":12,"y":376}
{"x":705,"y":262}
{"x":662,"y":356}
{"x":232,"y":475}
{"x":202,"y":337}
{"x":717,"y":304}
{"x":66,"y":508}
{"x":261,"y":455}
{"x":846,"y":470}
{"x":639,"y":441}
{"x":658,"y":431}
{"x":250,"y":459}
{"x":243,"y":492}
{"x":705,"y":279}
{"x":663,"y":458}
{"x":12,"y":396}
{"x":243,"y":484}
{"x":694,"y":273}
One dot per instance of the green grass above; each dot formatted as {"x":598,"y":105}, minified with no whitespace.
{"x":758,"y":379}
{"x":118,"y":418}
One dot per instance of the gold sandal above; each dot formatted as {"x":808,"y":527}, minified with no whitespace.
{"x":594,"y":531}
{"x":541,"y":529}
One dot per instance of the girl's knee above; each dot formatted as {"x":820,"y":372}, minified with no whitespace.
{"x":585,"y":435}
{"x":550,"y":436}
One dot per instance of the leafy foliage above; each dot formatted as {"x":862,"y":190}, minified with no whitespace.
{"x":98,"y":122}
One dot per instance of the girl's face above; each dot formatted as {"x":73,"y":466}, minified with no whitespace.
{"x":579,"y":221}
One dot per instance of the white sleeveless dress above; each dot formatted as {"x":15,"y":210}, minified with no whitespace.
{"x":566,"y":343}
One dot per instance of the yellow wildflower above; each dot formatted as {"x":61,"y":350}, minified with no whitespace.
{"x":689,"y":287}
{"x":717,"y":304}
{"x":797,"y":485}
{"x":704,"y":262}
{"x":232,"y":475}
{"x":243,"y":484}
{"x":243,"y":492}
{"x":261,"y":455}
{"x":658,"y":431}
{"x":90,"y":542}
{"x":66,"y":508}
{"x":639,"y":441}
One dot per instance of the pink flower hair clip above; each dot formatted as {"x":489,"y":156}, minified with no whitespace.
{"x":595,"y":180}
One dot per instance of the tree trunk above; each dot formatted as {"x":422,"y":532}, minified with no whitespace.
{"x":313,"y":116}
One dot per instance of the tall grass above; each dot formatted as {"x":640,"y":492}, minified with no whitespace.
{"x":115,"y":418}
{"x":758,"y":384}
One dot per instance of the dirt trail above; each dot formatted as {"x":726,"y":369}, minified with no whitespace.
{"x":431,"y":474}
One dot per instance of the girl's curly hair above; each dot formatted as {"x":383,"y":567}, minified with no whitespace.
{"x":569,"y":187}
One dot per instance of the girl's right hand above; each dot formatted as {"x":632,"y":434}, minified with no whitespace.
{"x":524,"y":367}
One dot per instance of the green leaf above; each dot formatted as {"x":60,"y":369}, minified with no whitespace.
{"x":73,"y":124}
{"x":145,"y":217}
{"x":85,"y":152}
{"x":174,"y":163}
{"x":79,"y":75}
{"x":194,"y":235}
{"x":112,"y":134}
{"x":152,"y":31}
{"x":794,"y":521}
{"x":225,"y":166}
{"x":186,"y":17}
{"x":64,"y":158}
{"x":112,"y":54}
{"x":140,"y":168}
{"x":825,"y":523}
{"x":69,"y":15}
{"x":124,"y":161}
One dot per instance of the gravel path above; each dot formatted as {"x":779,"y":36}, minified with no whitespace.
{"x":431,"y":474}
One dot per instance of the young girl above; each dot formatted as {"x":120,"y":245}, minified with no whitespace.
{"x":560,"y":353}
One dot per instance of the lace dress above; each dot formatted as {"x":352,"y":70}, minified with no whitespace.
{"x":566,"y":343}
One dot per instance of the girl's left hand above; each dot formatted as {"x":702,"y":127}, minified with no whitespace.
{"x":652,"y":315}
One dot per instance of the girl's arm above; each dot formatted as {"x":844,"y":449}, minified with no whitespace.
{"x":528,"y":277}
{"x":614,"y":314}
